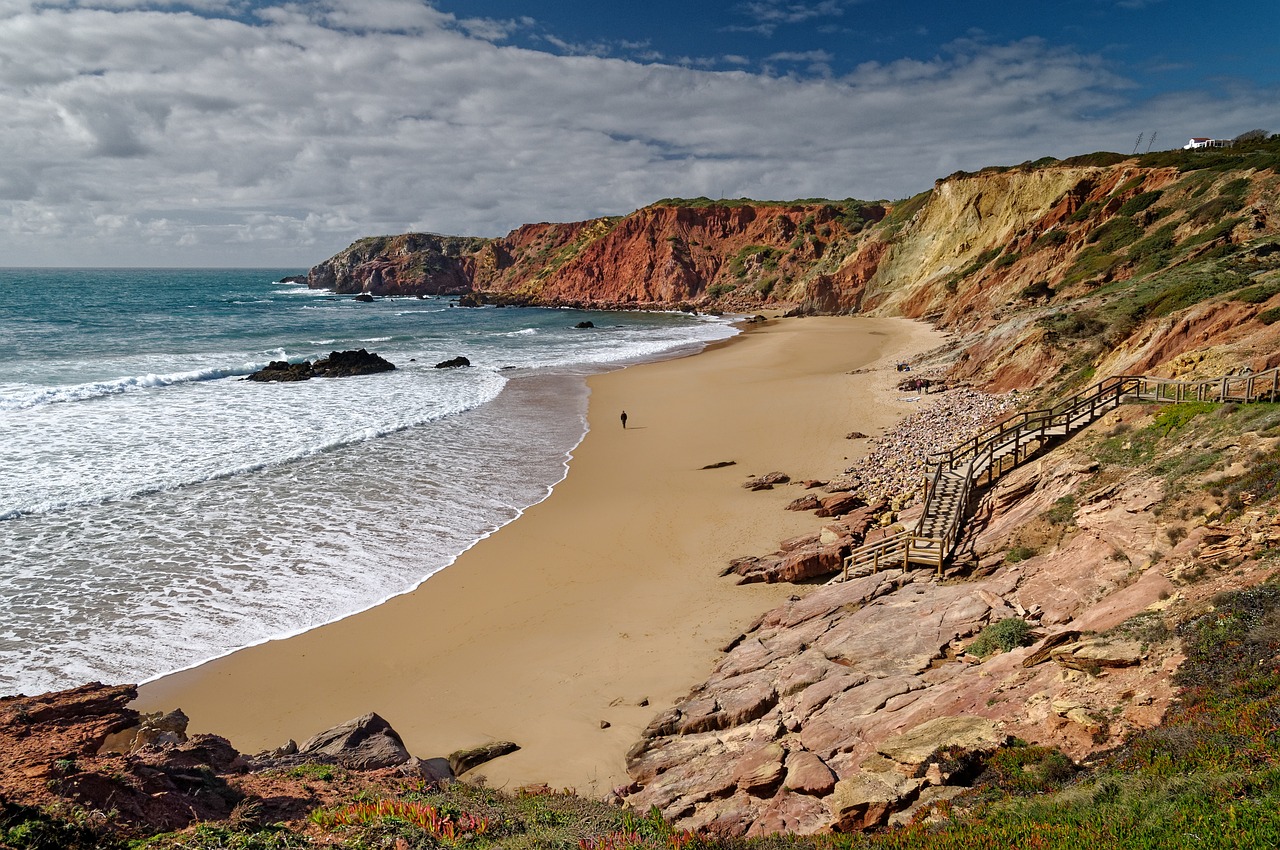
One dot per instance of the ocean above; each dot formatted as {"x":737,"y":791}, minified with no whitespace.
{"x":157,"y":510}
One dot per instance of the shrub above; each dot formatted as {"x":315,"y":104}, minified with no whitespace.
{"x":1006,"y":635}
{"x":1259,"y":294}
{"x":1049,"y":239}
{"x":1115,"y":234}
{"x":1062,"y":511}
{"x":1269,"y":317}
{"x":1139,"y":202}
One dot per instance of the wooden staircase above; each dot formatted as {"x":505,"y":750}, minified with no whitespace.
{"x":952,"y":475}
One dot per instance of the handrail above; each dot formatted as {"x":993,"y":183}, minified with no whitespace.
{"x":988,"y":449}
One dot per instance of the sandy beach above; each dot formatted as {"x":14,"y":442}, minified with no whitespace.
{"x":603,"y":602}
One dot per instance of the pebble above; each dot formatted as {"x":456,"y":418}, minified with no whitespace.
{"x":894,"y":469}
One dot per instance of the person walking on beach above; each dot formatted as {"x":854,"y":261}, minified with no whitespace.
{"x":624,"y":420}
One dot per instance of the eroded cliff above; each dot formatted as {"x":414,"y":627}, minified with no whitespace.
{"x":1048,"y":270}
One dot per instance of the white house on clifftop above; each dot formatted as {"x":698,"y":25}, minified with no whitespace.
{"x":1201,"y":142}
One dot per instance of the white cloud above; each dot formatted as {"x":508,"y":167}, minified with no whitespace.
{"x":162,"y":138}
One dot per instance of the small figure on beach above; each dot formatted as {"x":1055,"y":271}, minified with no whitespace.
{"x":624,"y":420}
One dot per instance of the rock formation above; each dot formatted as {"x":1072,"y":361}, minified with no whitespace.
{"x":339,"y":364}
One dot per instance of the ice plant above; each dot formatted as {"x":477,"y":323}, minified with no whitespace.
{"x":446,"y":827}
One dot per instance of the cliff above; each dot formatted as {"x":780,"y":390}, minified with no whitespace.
{"x":1051,"y":271}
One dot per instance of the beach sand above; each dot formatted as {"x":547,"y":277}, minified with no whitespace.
{"x":603,"y":602}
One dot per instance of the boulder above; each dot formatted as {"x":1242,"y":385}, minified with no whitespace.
{"x":366,"y":743}
{"x":808,"y":774}
{"x":339,"y":364}
{"x":436,"y":771}
{"x":866,"y":800}
{"x":460,"y":761}
{"x":364,"y":297}
{"x":345,"y":364}
{"x":453,"y":363}
{"x":760,"y":771}
{"x":282,"y":371}
{"x":585,"y":325}
{"x":804,"y":503}
{"x":838,"y":504}
{"x":766,"y":482}
{"x":915,"y":748}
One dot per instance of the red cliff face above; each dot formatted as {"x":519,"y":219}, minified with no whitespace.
{"x":666,"y":255}
{"x":1096,"y":265}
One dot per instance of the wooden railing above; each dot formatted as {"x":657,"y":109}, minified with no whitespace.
{"x":1010,"y":442}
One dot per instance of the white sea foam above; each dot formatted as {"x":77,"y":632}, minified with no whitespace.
{"x":23,"y":398}
{"x":177,"y":513}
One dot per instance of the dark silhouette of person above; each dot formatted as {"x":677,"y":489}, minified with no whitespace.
{"x":624,"y":419}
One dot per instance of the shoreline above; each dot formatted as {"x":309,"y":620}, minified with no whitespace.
{"x":601,"y":603}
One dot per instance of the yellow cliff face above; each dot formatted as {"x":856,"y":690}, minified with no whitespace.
{"x":962,"y":219}
{"x":1049,"y":269}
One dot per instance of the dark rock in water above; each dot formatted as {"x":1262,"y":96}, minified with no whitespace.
{"x":454,"y":363}
{"x":365,"y":743}
{"x":463,"y":760}
{"x":339,"y":364}
{"x":294,"y":278}
{"x":364,"y":296}
{"x":585,"y":325}
{"x":343,"y":364}
{"x":282,"y":370}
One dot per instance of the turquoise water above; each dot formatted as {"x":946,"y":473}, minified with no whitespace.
{"x":156,"y":510}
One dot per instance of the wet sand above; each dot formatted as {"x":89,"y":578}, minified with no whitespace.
{"x":605,"y":595}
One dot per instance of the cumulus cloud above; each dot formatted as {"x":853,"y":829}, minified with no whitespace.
{"x":152,"y":137}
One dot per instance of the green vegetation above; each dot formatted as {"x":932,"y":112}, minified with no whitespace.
{"x":1117,"y":233}
{"x":1003,"y":636}
{"x":1049,"y":239}
{"x":754,"y":256}
{"x":1062,"y":512}
{"x":1138,"y":203}
{"x":903,"y":211}
{"x":1259,"y":294}
{"x":1018,"y":554}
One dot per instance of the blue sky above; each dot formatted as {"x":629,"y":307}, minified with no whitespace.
{"x":253,"y":132}
{"x":1159,"y":45}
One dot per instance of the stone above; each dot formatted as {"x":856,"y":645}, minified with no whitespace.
{"x":807,"y":502}
{"x":365,"y":743}
{"x":808,"y":774}
{"x":436,"y":770}
{"x":864,"y":802}
{"x":585,"y":325}
{"x":914,"y":748}
{"x":838,"y":504}
{"x":339,"y":364}
{"x":766,"y":482}
{"x":460,"y":761}
{"x":759,"y":772}
{"x":453,"y":363}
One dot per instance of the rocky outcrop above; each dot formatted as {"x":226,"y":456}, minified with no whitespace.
{"x":339,"y":364}
{"x":365,"y":743}
{"x":411,"y":264}
{"x":130,"y":775}
{"x":858,"y":702}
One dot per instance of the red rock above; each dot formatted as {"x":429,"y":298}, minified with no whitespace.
{"x":808,"y":774}
{"x":838,"y":504}
{"x":760,"y":771}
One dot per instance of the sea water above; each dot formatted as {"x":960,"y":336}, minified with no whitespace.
{"x":157,"y":510}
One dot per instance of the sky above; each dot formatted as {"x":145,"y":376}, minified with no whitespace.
{"x":273,"y":134}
